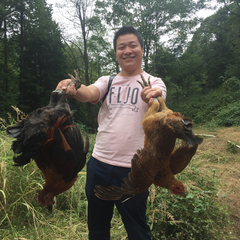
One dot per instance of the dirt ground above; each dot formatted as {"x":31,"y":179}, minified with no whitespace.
{"x":218,"y":153}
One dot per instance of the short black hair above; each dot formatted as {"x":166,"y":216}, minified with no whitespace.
{"x":125,"y":30}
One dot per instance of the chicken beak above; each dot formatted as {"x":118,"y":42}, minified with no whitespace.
{"x":183,"y":194}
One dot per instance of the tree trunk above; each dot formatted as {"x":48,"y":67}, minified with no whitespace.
{"x":5,"y":76}
{"x":81,"y":9}
{"x":21,"y":87}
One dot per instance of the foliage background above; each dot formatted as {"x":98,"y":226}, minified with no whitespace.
{"x":199,"y":62}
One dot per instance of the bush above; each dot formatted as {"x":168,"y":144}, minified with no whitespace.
{"x":219,"y":107}
{"x":229,"y":115}
{"x":198,"y":216}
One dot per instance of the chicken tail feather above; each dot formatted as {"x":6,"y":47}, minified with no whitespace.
{"x":189,"y":138}
{"x":113,"y":193}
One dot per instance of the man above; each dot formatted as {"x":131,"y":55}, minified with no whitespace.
{"x":120,"y":134}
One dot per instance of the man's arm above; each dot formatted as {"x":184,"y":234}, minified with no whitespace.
{"x":83,"y":94}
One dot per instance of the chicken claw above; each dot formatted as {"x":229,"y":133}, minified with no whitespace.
{"x":158,"y":161}
{"x":77,"y":81}
{"x":145,"y":83}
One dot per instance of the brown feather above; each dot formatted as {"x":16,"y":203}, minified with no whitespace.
{"x":157,"y":162}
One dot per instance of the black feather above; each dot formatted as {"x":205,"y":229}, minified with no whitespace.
{"x":50,"y":137}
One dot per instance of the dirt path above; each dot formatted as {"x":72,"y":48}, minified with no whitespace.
{"x":224,"y":157}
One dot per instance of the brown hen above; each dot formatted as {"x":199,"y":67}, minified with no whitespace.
{"x":157,"y":162}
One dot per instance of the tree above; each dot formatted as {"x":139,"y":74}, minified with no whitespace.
{"x":8,"y":57}
{"x":90,"y":49}
{"x":31,"y":60}
{"x":217,"y":44}
{"x":41,"y":54}
{"x":153,"y":19}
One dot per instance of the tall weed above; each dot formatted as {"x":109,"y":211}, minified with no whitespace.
{"x":198,"y":216}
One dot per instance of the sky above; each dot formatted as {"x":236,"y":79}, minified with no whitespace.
{"x":61,"y":15}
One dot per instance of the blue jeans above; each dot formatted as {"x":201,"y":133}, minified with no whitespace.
{"x":100,"y":212}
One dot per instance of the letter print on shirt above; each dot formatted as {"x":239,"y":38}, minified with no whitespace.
{"x":123,"y":97}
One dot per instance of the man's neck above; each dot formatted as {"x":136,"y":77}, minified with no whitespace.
{"x":130,"y":73}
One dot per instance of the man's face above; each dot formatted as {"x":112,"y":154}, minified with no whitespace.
{"x":129,"y":52}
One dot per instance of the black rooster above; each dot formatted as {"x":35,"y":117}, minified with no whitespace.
{"x":50,"y":137}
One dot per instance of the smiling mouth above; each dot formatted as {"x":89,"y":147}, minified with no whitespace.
{"x":126,"y":58}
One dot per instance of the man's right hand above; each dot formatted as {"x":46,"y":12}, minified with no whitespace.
{"x":70,"y":90}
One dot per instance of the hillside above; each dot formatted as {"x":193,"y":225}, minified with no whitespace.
{"x":211,"y":180}
{"x":216,"y":152}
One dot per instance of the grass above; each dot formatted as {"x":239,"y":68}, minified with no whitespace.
{"x":22,"y":217}
{"x":201,"y":215}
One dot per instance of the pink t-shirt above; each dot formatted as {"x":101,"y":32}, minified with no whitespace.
{"x":120,"y":133}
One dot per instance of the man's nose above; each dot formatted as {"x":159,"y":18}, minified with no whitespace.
{"x":128,"y":50}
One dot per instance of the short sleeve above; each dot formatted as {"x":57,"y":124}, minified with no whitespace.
{"x":101,"y":84}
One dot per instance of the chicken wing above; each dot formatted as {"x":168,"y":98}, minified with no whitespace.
{"x":157,"y":162}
